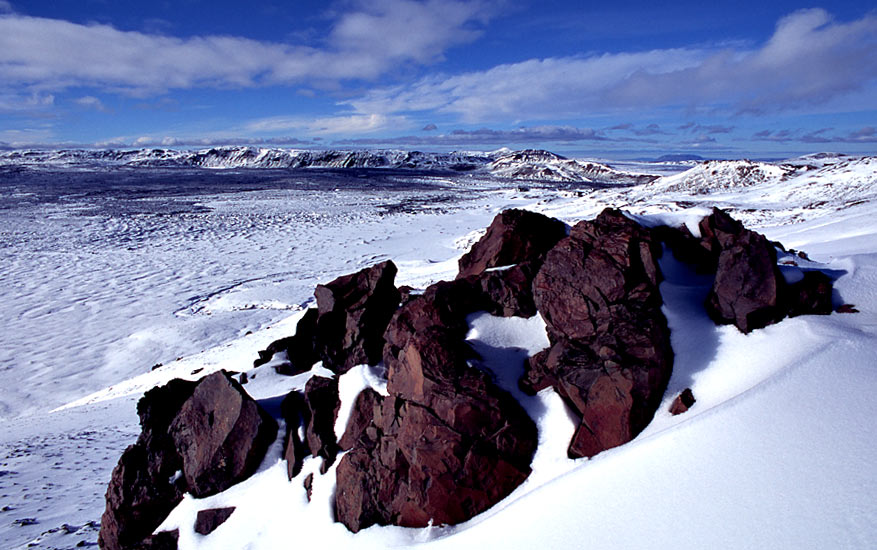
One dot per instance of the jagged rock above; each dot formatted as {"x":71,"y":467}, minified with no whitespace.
{"x":364,"y":410}
{"x":141,"y":492}
{"x":847,"y":308}
{"x":163,"y":540}
{"x":683,"y":402}
{"x":747,"y":291}
{"x":513,"y":236}
{"x":208,"y":520}
{"x":610,"y":357}
{"x":447,"y":443}
{"x":323,"y":403}
{"x":299,"y":348}
{"x":295,"y":412}
{"x":308,"y":485}
{"x":196,"y":437}
{"x":353,"y":312}
{"x":811,"y":295}
{"x":509,"y":292}
{"x":221,"y":434}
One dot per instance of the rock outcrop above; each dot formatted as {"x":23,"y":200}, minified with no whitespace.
{"x":447,"y":443}
{"x":683,"y":402}
{"x":610,"y":357}
{"x":513,"y":236}
{"x":208,"y":520}
{"x":199,"y":438}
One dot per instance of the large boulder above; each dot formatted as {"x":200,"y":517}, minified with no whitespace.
{"x":199,"y":438}
{"x":221,"y":434}
{"x":447,"y":443}
{"x":513,"y":236}
{"x":321,"y":395}
{"x":353,"y":312}
{"x":144,"y":487}
{"x":610,"y":357}
{"x":300,"y":347}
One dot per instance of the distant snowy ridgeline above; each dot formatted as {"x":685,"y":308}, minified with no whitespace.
{"x":528,"y":164}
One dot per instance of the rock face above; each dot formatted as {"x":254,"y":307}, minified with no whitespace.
{"x":221,"y":433}
{"x":353,"y":312}
{"x":513,"y":236}
{"x":748,"y":287}
{"x":321,"y":395}
{"x":299,"y":348}
{"x":749,"y":290}
{"x":295,"y":412}
{"x":199,"y":438}
{"x":208,"y":520}
{"x":610,"y":357}
{"x":447,"y":443}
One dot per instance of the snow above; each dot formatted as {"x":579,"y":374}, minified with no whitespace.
{"x":778,"y":451}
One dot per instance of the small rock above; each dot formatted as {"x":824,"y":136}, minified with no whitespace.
{"x":308,"y":484}
{"x":683,"y":402}
{"x":208,"y":520}
{"x":847,"y":308}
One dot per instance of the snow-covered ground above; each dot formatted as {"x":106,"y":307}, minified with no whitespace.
{"x":779,"y":450}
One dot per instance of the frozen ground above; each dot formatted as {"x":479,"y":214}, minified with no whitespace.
{"x":104,"y":284}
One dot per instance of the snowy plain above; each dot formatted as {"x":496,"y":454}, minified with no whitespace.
{"x":109,"y":294}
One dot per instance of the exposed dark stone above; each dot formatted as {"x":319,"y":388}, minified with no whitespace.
{"x":354,"y":311}
{"x":811,"y":295}
{"x":509,"y":292}
{"x":299,"y":347}
{"x":610,"y":357}
{"x":448,"y":443}
{"x":295,"y":412}
{"x":323,"y":403}
{"x":688,"y":248}
{"x":208,"y":520}
{"x":163,"y":540}
{"x":514,"y":236}
{"x":683,"y":402}
{"x":198,"y":438}
{"x":364,"y":411}
{"x":308,"y":484}
{"x":847,"y":308}
{"x":748,"y":288}
{"x":140,"y":493}
{"x":221,"y":434}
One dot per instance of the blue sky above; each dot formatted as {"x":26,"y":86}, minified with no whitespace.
{"x":630,"y":79}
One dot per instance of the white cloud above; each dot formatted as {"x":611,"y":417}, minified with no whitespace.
{"x":90,"y":102}
{"x":52,"y":54}
{"x":25,"y":102}
{"x":333,"y":125}
{"x":810,"y":59}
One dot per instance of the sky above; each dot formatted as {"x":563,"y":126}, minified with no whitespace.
{"x":626,"y":79}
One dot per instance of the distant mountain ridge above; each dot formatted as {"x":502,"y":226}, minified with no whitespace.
{"x":529,"y":164}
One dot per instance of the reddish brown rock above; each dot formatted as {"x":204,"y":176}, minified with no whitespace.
{"x":208,"y":520}
{"x":847,"y":308}
{"x":139,"y":495}
{"x":321,"y":395}
{"x":811,"y":295}
{"x":353,"y":312}
{"x":163,"y":540}
{"x":683,"y":402}
{"x":299,"y":348}
{"x":514,"y":236}
{"x":610,"y":357}
{"x":197,"y":438}
{"x":295,"y":412}
{"x":221,"y":433}
{"x":448,"y":443}
{"x":365,"y":408}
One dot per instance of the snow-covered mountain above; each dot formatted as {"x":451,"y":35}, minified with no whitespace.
{"x":527,"y":165}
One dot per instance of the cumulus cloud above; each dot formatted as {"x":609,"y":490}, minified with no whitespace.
{"x":809,"y":59}
{"x":366,"y":42}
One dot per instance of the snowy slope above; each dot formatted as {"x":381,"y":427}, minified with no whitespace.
{"x":778,"y":452}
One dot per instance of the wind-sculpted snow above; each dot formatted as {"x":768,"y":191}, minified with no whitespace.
{"x":111,"y":268}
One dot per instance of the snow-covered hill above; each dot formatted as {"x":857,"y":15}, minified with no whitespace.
{"x":778,"y":451}
{"x":526,"y":165}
